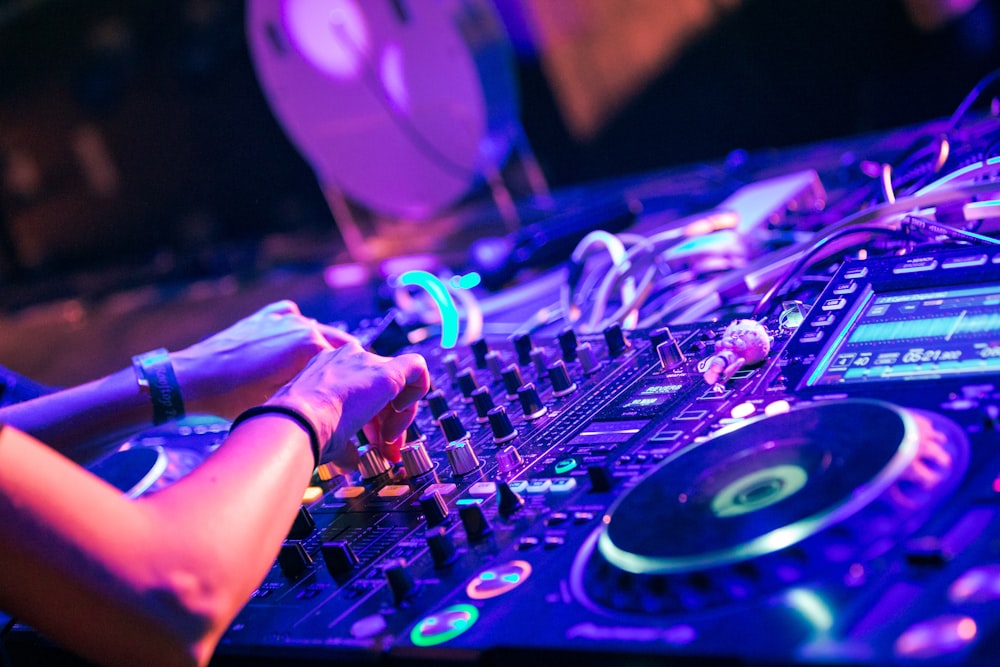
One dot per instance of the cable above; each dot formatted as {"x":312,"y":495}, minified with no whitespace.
{"x":971,"y":98}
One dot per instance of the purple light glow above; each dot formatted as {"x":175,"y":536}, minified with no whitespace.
{"x":330,"y":34}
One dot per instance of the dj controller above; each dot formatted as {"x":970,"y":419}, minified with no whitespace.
{"x":806,"y":473}
{"x":645,"y":497}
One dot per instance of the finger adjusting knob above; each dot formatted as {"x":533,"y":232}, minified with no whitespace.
{"x":503,"y":430}
{"x":531,"y":403}
{"x":461,"y":457}
{"x":562,"y":385}
{"x":416,"y":460}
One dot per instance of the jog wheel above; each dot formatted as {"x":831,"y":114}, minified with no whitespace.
{"x":769,"y":503}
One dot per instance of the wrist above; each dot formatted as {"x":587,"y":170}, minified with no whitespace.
{"x":298,"y":417}
{"x":154,"y":373}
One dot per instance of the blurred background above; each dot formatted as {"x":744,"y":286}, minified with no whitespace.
{"x":137,"y":147}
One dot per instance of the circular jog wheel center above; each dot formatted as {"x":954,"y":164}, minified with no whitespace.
{"x":871,"y":468}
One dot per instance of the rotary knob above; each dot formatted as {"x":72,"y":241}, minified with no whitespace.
{"x":461,"y":457}
{"x":371,"y":463}
{"x":416,"y":460}
{"x":477,"y":526}
{"x":670,"y":354}
{"x":467,"y":383}
{"x":434,"y":508}
{"x":562,"y":385}
{"x":540,"y":360}
{"x":567,"y":344}
{"x":338,"y":557}
{"x":441,"y":546}
{"x":615,"y":339}
{"x":452,"y":427}
{"x":508,"y":460}
{"x":480,"y":348}
{"x":438,"y":403}
{"x":414,"y":434}
{"x":450,"y":362}
{"x":503,"y":430}
{"x":509,"y":501}
{"x":523,"y":346}
{"x":512,"y":380}
{"x":483,"y":401}
{"x":531,"y":402}
{"x":588,"y":360}
{"x":494,"y":362}
{"x":400,"y":580}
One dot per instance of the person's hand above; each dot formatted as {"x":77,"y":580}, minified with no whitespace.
{"x":245,"y":364}
{"x":345,"y":390}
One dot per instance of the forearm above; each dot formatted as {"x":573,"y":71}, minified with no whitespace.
{"x":71,"y":419}
{"x":153,"y":581}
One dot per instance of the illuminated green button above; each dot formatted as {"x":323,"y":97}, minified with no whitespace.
{"x":498,"y":580}
{"x":565,"y":466}
{"x":444,"y":625}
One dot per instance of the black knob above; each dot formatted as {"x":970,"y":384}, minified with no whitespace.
{"x":562,"y":385}
{"x":414,"y":434}
{"x":494,"y":362}
{"x":567,"y":343}
{"x":483,"y":401}
{"x":657,"y":336}
{"x":302,"y":526}
{"x":476,"y":525}
{"x":467,"y":383}
{"x":452,"y":427}
{"x":438,"y":403}
{"x":600,"y":479}
{"x":531,"y":403}
{"x":512,"y":380}
{"x":670,"y":354}
{"x":500,"y":424}
{"x":339,"y":558}
{"x":434,"y":508}
{"x":615,"y":339}
{"x":441,"y":546}
{"x":540,"y":360}
{"x":293,"y":559}
{"x":523,"y":347}
{"x":508,"y":499}
{"x":480,"y":349}
{"x":450,"y":362}
{"x":400,"y":580}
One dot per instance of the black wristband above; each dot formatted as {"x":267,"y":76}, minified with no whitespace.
{"x":155,"y":375}
{"x":295,"y":415}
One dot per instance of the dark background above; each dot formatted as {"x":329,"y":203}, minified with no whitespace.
{"x":209,"y":185}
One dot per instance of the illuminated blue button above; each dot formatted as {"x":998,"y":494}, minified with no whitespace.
{"x":846,"y":288}
{"x":854,"y":274}
{"x":916,"y":265}
{"x":518,"y":486}
{"x":834,"y":304}
{"x":811,"y":337}
{"x":539,"y":485}
{"x":563,"y":485}
{"x":483,"y":489}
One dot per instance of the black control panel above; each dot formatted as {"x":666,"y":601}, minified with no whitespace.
{"x":611,"y":499}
